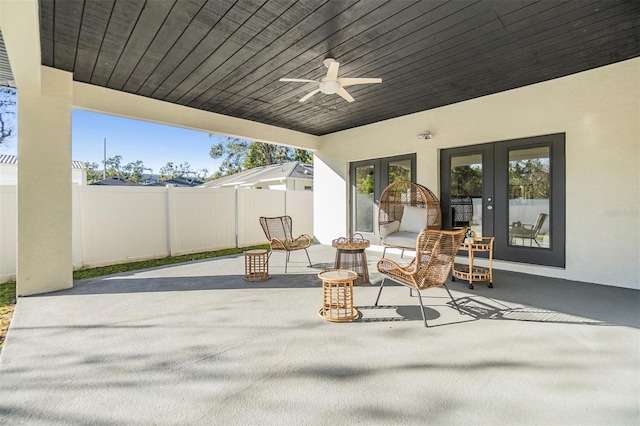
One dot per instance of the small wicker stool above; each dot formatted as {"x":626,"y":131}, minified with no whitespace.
{"x":337,"y":295}
{"x":256,"y":265}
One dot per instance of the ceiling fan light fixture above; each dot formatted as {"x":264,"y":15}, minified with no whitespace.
{"x":329,"y":87}
{"x":331,"y":84}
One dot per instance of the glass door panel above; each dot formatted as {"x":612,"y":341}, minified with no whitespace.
{"x":467,"y":192}
{"x":398,"y":170}
{"x":364,"y":204}
{"x":529,"y":197}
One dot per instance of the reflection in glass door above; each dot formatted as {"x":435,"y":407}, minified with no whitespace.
{"x":398,"y":170}
{"x":466,"y":192}
{"x":529,"y":197}
{"x":364,"y":205}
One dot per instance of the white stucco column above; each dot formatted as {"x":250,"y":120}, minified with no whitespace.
{"x":44,"y":185}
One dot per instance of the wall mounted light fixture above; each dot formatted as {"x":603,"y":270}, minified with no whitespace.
{"x":425,"y":135}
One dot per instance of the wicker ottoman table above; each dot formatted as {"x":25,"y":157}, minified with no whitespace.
{"x":337,"y":295}
{"x":256,"y":265}
{"x":350,"y":255}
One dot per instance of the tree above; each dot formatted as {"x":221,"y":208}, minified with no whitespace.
{"x":303,"y":156}
{"x":114,"y":168}
{"x":466,"y":181}
{"x":183,"y":170}
{"x":398,"y":173}
{"x":133,"y":171}
{"x":93,"y":174}
{"x":239,"y":155}
{"x":364,"y":180}
{"x":234,"y":150}
{"x":529,"y":179}
{"x":7,"y":114}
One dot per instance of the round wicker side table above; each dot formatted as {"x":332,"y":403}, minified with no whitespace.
{"x":337,"y":295}
{"x":350,"y":255}
{"x":256,"y":265}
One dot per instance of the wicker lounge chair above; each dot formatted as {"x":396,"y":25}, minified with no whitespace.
{"x":405,"y":209}
{"x":435,"y":254}
{"x":278,"y":232}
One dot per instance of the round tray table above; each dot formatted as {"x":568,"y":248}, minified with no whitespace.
{"x":471,"y":273}
{"x":337,"y":295}
{"x":350,"y":255}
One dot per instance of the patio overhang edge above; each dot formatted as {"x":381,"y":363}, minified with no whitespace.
{"x":107,"y":101}
{"x":21,"y":33}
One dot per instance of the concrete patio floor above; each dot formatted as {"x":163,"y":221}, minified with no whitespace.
{"x":196,"y":344}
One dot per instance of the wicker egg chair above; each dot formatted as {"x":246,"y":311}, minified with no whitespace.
{"x":394,"y":232}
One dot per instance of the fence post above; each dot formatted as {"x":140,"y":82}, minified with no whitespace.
{"x":171,"y":229}
{"x":77,"y":247}
{"x":237,"y":213}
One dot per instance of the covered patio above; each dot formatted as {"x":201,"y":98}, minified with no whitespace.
{"x":196,"y":344}
{"x":469,"y":73}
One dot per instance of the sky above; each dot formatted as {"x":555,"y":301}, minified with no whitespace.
{"x":154,"y":144}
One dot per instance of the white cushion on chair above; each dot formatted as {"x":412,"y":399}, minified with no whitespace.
{"x":389,"y":228}
{"x":414,"y":219}
{"x":402,"y":239}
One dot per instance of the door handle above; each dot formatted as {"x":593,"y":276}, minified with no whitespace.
{"x":489,"y":207}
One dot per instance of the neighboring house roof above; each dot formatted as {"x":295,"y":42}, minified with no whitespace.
{"x":275,"y":172}
{"x":8,"y":159}
{"x":115,"y":181}
{"x":181,"y":181}
{"x":13,"y":159}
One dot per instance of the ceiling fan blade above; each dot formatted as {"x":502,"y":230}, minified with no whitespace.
{"x":308,"y":95}
{"x":332,"y":73}
{"x":298,"y":80}
{"x":347,"y":97}
{"x":353,"y":81}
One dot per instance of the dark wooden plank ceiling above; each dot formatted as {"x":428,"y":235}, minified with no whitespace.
{"x":227,"y":56}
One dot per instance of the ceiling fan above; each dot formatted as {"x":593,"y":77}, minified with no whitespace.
{"x":331,"y":84}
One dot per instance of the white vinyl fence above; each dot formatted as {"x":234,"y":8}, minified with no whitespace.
{"x":118,"y":224}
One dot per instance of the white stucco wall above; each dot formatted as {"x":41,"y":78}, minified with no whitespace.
{"x":599,"y":110}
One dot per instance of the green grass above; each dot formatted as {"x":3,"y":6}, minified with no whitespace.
{"x":7,"y":305}
{"x":7,"y":294}
{"x":154,"y":263}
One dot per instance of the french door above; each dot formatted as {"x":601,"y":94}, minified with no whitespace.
{"x":368,"y":179}
{"x":513,"y":190}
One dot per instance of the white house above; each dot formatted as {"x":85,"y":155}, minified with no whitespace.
{"x":291,"y":176}
{"x":9,"y":171}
